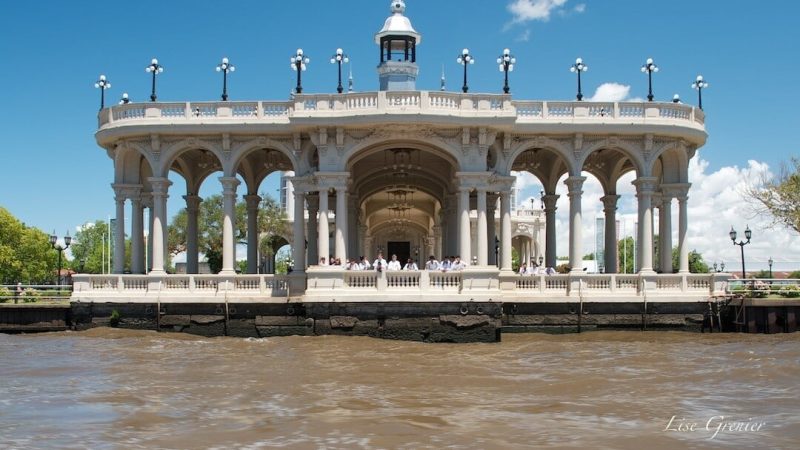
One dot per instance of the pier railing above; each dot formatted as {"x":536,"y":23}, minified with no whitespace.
{"x":327,"y":106}
{"x":324,"y":281}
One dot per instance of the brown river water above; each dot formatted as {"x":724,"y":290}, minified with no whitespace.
{"x":114,"y":389}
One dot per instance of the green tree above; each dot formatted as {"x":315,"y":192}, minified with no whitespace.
{"x":696,"y":262}
{"x":588,"y":257}
{"x":779,"y":197}
{"x":90,"y":246}
{"x":25,"y":253}
{"x":795,"y":275}
{"x":764,"y":274}
{"x":625,"y":255}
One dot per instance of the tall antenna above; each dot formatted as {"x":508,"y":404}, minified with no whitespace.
{"x":443,"y":79}
{"x":350,"y":79}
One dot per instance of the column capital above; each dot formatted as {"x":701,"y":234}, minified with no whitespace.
{"x":160,"y":186}
{"x":146,"y":199}
{"x":123,"y":192}
{"x":550,"y":202}
{"x":610,"y":202}
{"x":312,"y":198}
{"x":676,"y":190}
{"x":575,"y":185}
{"x":253,"y":200}
{"x":229,"y":185}
{"x":192,"y":202}
{"x":645,"y":185}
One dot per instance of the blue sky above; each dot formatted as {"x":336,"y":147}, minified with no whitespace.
{"x":56,"y":177}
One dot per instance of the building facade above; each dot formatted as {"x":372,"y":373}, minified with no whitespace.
{"x":403,"y":171}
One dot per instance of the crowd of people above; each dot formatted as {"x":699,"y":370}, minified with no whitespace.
{"x":448,"y":263}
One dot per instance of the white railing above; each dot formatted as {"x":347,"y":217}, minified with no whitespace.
{"x":417,"y":102}
{"x":322,"y":280}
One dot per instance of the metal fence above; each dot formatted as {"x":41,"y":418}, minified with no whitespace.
{"x":35,"y":293}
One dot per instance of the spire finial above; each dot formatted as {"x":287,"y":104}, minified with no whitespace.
{"x":398,"y":6}
{"x":443,"y":79}
{"x":350,"y":79}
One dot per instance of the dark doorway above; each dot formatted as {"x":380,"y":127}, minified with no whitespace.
{"x":401,"y":249}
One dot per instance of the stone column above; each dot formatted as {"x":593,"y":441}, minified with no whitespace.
{"x":437,"y":242}
{"x":491,"y":231}
{"x":463,"y":228}
{"x":229,"y":185}
{"x":253,"y":202}
{"x":575,"y":186}
{"x":148,"y":260}
{"x":341,"y":223}
{"x":550,"y":229}
{"x":505,"y":231}
{"x":611,"y":248}
{"x":665,"y":233}
{"x":119,"y":233}
{"x":645,"y":187}
{"x":137,"y":235}
{"x":683,"y":227}
{"x":323,"y":239}
{"x":192,"y":250}
{"x":312,"y":246}
{"x":298,"y":233}
{"x":482,"y":238}
{"x":159,"y":234}
{"x":352,"y":240}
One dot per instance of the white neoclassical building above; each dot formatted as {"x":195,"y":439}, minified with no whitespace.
{"x":406,"y":172}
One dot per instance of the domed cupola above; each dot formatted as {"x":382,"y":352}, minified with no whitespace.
{"x":398,"y":40}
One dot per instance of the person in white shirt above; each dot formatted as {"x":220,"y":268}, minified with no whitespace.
{"x":364,"y":263}
{"x":323,"y":262}
{"x":410,"y":265}
{"x":353,"y":265}
{"x":432,"y":263}
{"x":394,"y":264}
{"x":380,"y":263}
{"x":550,"y":271}
{"x":458,"y":264}
{"x":446,"y":264}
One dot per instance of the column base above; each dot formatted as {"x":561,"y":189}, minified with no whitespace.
{"x":228,"y":273}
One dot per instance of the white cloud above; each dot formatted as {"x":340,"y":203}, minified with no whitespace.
{"x":525,"y":36}
{"x":580,"y":7}
{"x":610,"y":92}
{"x":715,"y":204}
{"x":528,"y":10}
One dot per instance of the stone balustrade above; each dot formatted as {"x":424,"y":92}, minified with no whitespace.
{"x":400,"y":285}
{"x":433,"y":103}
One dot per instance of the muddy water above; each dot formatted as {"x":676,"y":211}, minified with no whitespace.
{"x":120,"y":389}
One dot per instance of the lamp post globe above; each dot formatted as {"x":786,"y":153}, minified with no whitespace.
{"x":125,"y":99}
{"x":579,"y":67}
{"x":154,"y":68}
{"x":102,"y":83}
{"x":699,"y":84}
{"x":340,"y":58}
{"x":299,"y":63}
{"x":649,"y":68}
{"x":506,"y":63}
{"x":465,"y":59}
{"x":225,"y":67}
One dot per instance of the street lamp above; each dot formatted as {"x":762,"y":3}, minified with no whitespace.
{"x":155,"y":69}
{"x":649,"y":67}
{"x":102,"y":83}
{"x":770,"y":261}
{"x":579,"y":67}
{"x":225,"y":67}
{"x":699,"y":84}
{"x":299,"y":63}
{"x":60,"y":249}
{"x":676,"y":98}
{"x":125,"y":99}
{"x":506,"y":62}
{"x":497,"y":251}
{"x":741,"y":244}
{"x":465,"y":59}
{"x":338,"y":59}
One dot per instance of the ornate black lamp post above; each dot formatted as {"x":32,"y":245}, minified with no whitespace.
{"x":465,"y":59}
{"x":506,"y":62}
{"x":225,"y":66}
{"x":747,"y":234}
{"x":699,"y":84}
{"x":299,"y":63}
{"x":649,"y":67}
{"x":60,"y":249}
{"x":579,"y":67}
{"x":102,"y":83}
{"x":125,"y":99}
{"x":497,"y":251}
{"x":338,"y":59}
{"x":770,"y":261}
{"x":155,"y":69}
